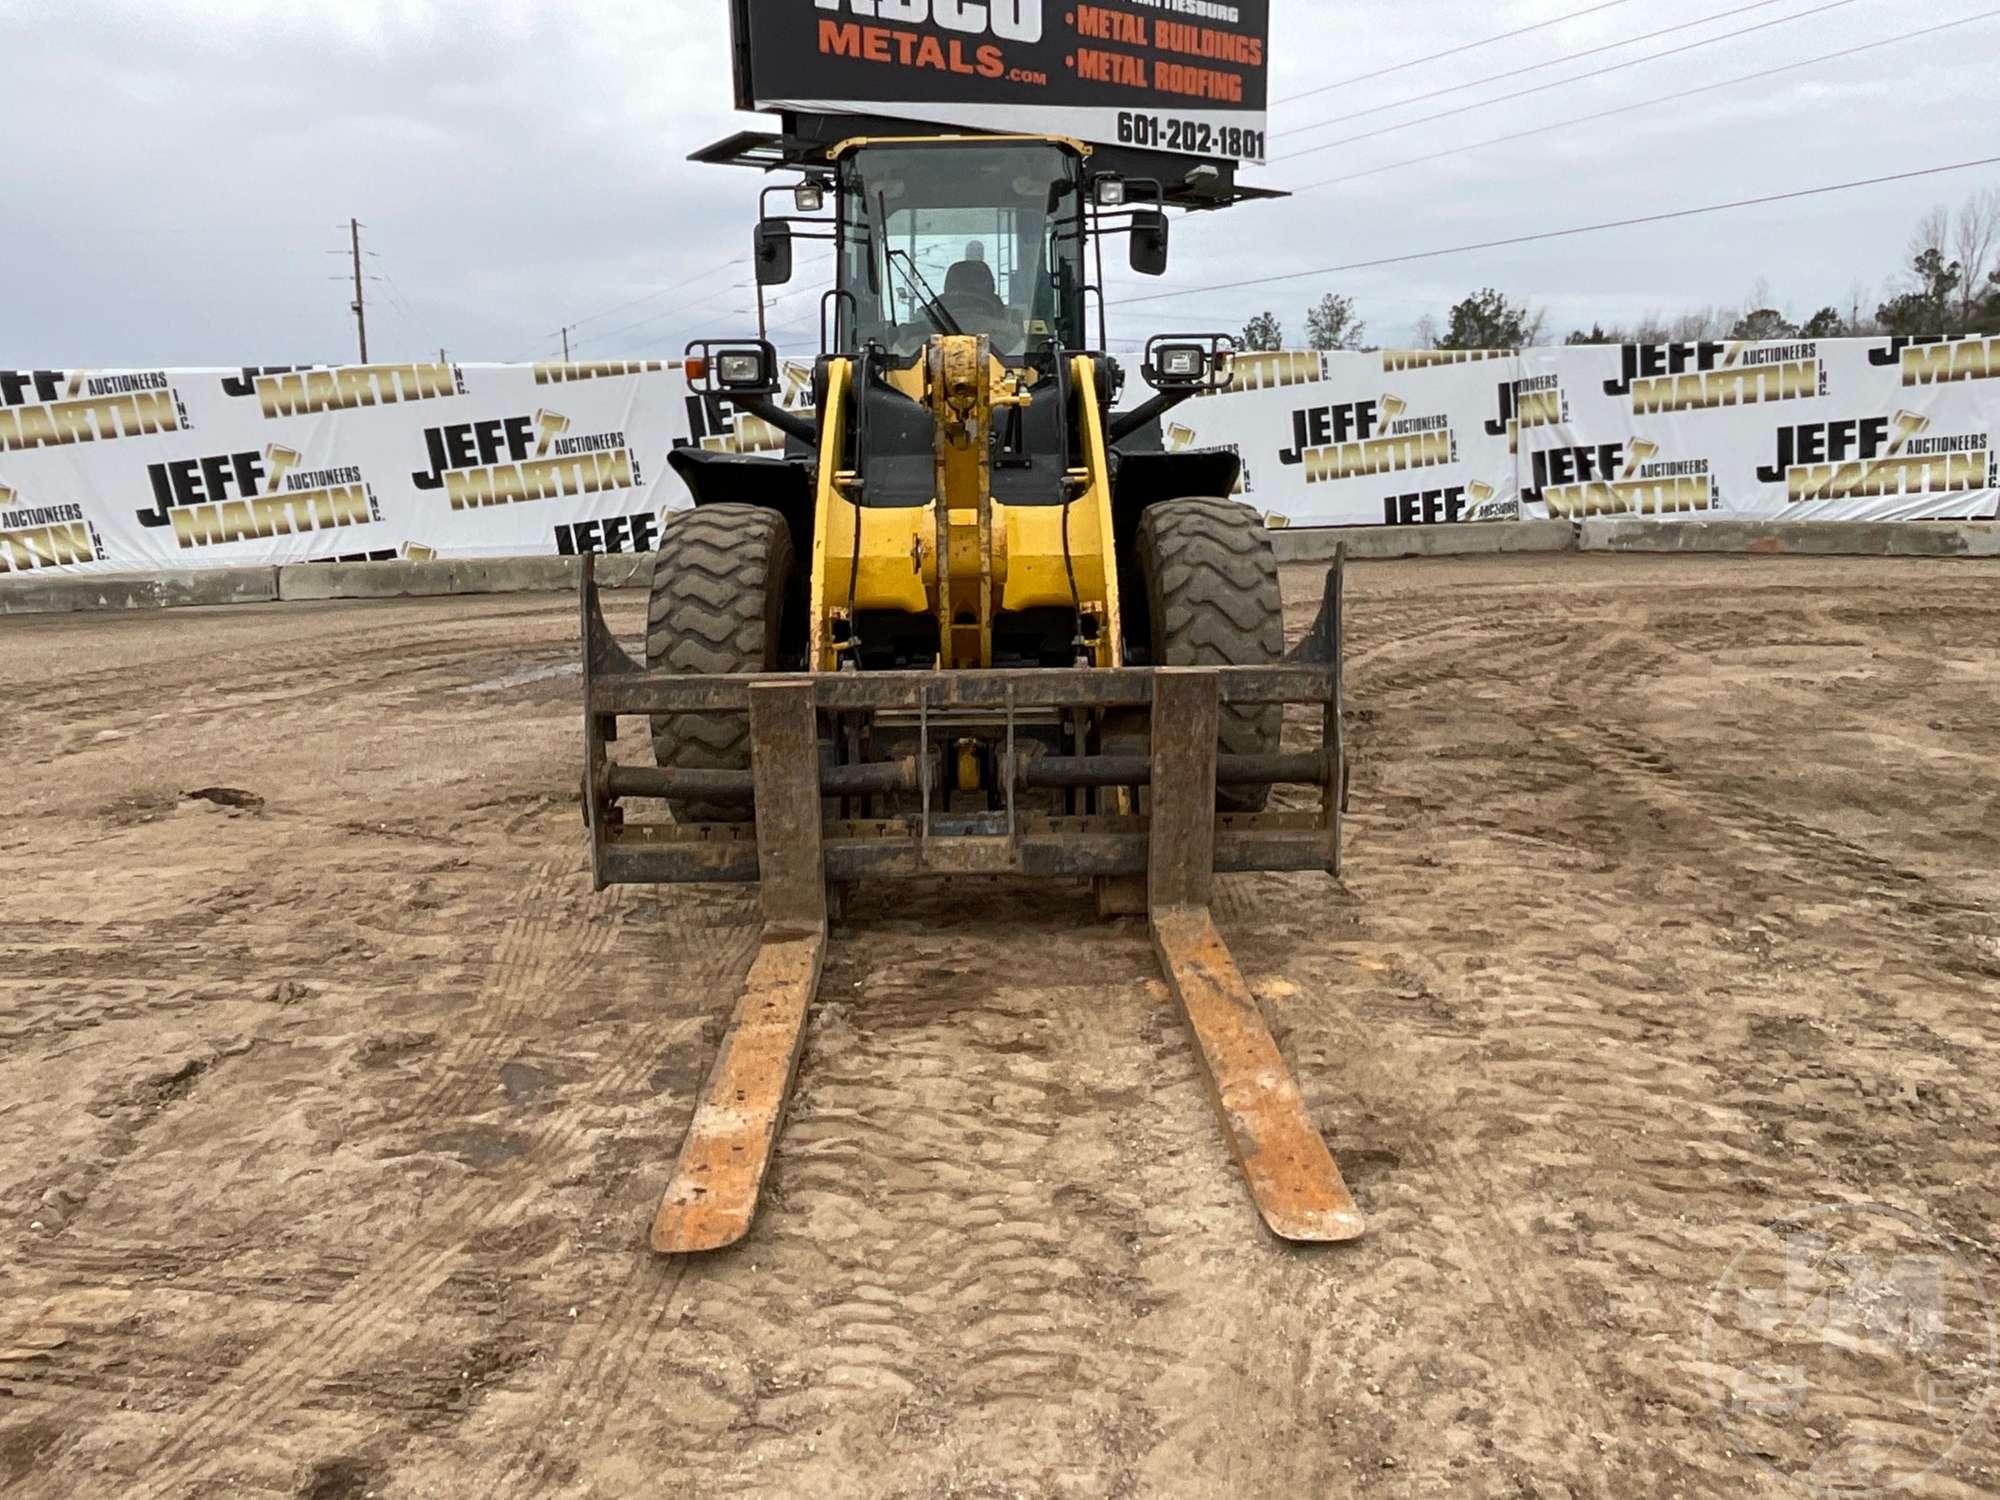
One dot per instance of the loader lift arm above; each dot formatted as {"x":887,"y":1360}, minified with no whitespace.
{"x":794,"y":849}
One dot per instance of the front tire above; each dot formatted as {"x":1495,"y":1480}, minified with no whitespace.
{"x":721,"y":579}
{"x":1212,"y":586}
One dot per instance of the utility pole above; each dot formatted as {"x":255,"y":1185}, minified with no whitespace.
{"x":565,"y":334}
{"x":360,"y":314}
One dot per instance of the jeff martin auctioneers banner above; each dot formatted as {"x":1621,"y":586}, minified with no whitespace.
{"x":147,"y":469}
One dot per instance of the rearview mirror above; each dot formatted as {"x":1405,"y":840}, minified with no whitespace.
{"x":774,"y":252}
{"x":1149,"y":242}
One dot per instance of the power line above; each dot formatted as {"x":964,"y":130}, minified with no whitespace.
{"x":1553,"y":62}
{"x":1418,"y":62}
{"x":678,"y":310}
{"x":686,"y":308}
{"x":1558,"y":234}
{"x":400,"y":302}
{"x":1543,"y":88}
{"x":652,"y":296}
{"x":598,"y":339}
{"x":1673,"y":98}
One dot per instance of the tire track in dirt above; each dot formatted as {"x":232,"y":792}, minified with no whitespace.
{"x":527,"y":969}
{"x":600,"y":1356}
{"x":599,"y":1360}
{"x":549,"y":951}
{"x":1605,"y":657}
{"x":1417,"y":643}
{"x":285,"y":676}
{"x":905,"y":1257}
{"x":305,"y":670}
{"x":1477,"y":1239}
{"x":280,"y":1379}
{"x":1780,"y":846}
{"x":533,"y":952}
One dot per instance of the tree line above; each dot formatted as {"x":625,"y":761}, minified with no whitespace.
{"x":1949,"y":285}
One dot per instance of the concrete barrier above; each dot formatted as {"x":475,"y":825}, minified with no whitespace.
{"x":1313,"y":544}
{"x":35,"y":593}
{"x":461,"y":575}
{"x":1795,"y":538}
{"x":57,"y":593}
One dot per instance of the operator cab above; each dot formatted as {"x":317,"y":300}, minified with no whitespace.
{"x":946,"y":237}
{"x":943,"y":235}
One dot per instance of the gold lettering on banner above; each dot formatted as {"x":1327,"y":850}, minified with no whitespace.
{"x":46,"y":547}
{"x":266,"y":516}
{"x":1879,"y":478}
{"x":300,"y":393}
{"x":539,"y":479}
{"x":1706,"y":390}
{"x":100,"y":419}
{"x":1631,"y":497}
{"x":1939,"y":364}
{"x":1384,"y":455}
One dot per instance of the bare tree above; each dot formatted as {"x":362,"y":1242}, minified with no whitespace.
{"x":1933,"y":233}
{"x":1860,"y":322}
{"x":1974,"y":244}
{"x":1652,"y":329}
{"x":1699,"y":324}
{"x":1762,"y":320}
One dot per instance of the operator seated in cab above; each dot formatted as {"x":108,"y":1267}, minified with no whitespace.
{"x":970,"y":293}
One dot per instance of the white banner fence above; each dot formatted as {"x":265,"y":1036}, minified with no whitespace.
{"x":146,"y":469}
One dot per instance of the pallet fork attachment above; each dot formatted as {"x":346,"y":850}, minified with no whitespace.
{"x":1286,"y":1164}
{"x":793,"y":849}
{"x":728,"y":1149}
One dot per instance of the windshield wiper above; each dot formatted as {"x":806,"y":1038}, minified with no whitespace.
{"x":936,"y":311}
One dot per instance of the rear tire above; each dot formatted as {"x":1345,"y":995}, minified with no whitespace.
{"x":720,"y":582}
{"x":1212,"y":584}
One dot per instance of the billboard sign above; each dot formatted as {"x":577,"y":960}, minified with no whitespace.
{"x":1181,"y":76}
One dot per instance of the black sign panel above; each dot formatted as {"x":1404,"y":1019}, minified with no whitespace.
{"x":1183,"y":76}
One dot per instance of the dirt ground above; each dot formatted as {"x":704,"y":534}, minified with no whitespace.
{"x":331,"y":1123}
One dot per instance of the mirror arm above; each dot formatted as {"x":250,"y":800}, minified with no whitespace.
{"x":1123,"y":427}
{"x":766,"y":410}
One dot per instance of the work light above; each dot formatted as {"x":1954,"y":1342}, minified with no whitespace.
{"x":740,"y":367}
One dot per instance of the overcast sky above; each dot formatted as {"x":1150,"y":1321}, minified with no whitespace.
{"x":174,"y":171}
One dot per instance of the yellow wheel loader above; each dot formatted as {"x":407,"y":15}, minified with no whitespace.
{"x":973,"y":621}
